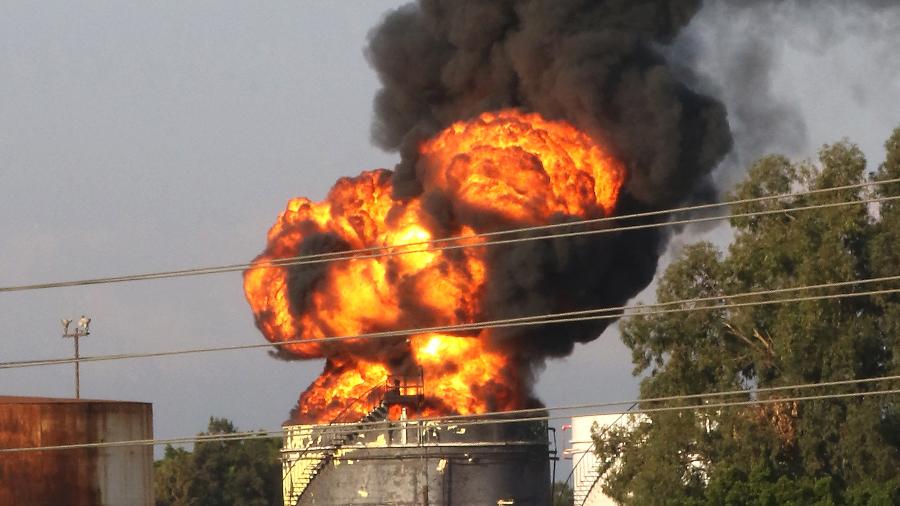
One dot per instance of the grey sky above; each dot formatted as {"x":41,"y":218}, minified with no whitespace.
{"x":137,"y":136}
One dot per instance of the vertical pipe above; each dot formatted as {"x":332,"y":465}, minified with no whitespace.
{"x":404,"y":438}
{"x":425,"y":488}
{"x":77,"y":369}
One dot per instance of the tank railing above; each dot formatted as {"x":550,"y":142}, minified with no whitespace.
{"x":408,"y":389}
{"x":424,"y":433}
{"x":312,"y":439}
{"x":377,"y":414}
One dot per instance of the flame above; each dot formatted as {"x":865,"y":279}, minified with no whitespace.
{"x":524,"y":167}
{"x":505,"y":167}
{"x":463,"y":375}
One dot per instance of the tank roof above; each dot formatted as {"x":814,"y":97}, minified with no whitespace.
{"x":13,"y":399}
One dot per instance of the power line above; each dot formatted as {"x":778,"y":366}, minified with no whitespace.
{"x":482,"y":419}
{"x":589,"y":314}
{"x":590,"y":450}
{"x":234,"y":436}
{"x":605,"y":219}
{"x":545,"y":319}
{"x":467,"y":241}
{"x":551,"y":318}
{"x":681,"y":397}
{"x":351,"y":255}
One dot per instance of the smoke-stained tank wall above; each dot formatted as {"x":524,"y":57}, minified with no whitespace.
{"x":78,"y":477}
{"x":442,"y":464}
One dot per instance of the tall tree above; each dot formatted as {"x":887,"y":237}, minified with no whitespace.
{"x":218,"y":473}
{"x":837,"y":451}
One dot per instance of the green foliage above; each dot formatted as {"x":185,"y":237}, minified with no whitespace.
{"x":219,"y":473}
{"x":824,"y":452}
{"x":172,"y":477}
{"x":563,"y":495}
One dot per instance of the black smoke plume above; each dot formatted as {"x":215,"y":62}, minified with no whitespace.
{"x":597,"y":64}
{"x":624,"y":71}
{"x":734,"y":49}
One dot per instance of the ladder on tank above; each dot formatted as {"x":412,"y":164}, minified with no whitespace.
{"x":315,"y":460}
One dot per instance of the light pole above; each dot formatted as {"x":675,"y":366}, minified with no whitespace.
{"x":80,"y":331}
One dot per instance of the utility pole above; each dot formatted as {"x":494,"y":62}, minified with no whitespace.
{"x":80,"y":331}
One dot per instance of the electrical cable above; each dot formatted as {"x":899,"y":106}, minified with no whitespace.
{"x":530,"y":319}
{"x":545,"y":319}
{"x":590,"y":451}
{"x":482,"y":419}
{"x":670,"y":398}
{"x":404,"y":249}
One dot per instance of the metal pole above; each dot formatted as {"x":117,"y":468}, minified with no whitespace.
{"x":80,"y":331}
{"x":77,"y":369}
{"x":425,"y":488}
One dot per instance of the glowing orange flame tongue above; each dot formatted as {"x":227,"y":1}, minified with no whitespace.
{"x":516,"y":168}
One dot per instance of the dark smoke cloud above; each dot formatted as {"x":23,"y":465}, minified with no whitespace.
{"x":594,"y":64}
{"x":600,"y":65}
{"x":634,"y":74}
{"x":731,"y":51}
{"x":626,"y":72}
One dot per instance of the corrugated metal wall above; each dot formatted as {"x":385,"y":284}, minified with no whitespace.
{"x":90,"y":476}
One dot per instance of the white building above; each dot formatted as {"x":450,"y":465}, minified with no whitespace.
{"x":586,"y":481}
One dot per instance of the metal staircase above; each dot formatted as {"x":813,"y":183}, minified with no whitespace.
{"x":319,"y":450}
{"x":585,"y":475}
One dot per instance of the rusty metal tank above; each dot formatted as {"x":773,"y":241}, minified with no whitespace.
{"x":76,"y":477}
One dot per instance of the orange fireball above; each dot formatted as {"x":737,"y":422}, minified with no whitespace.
{"x":519,"y":168}
{"x":523,"y":166}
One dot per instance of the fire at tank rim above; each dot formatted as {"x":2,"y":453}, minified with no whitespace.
{"x":456,"y":429}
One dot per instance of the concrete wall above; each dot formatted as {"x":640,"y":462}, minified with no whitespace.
{"x":88,"y":476}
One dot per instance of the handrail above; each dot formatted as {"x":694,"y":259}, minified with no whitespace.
{"x":585,"y":453}
{"x":329,"y":424}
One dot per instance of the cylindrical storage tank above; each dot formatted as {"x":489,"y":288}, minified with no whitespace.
{"x":77,"y":477}
{"x":459,"y":462}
